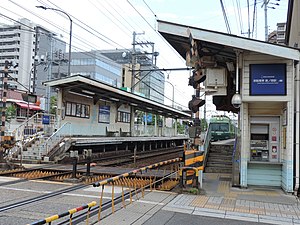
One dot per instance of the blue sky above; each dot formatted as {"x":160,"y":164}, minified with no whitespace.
{"x":108,"y":24}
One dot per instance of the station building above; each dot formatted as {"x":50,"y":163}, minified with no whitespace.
{"x":93,"y":108}
{"x":264,"y":75}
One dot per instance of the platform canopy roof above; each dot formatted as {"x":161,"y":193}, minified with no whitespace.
{"x":211,"y":49}
{"x":220,"y":45}
{"x":97,"y":90}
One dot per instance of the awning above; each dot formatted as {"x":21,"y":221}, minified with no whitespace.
{"x":25,"y":106}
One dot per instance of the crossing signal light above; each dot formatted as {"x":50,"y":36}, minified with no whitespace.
{"x":197,"y":78}
{"x":195,"y":104}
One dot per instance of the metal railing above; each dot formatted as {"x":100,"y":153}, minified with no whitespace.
{"x":33,"y":125}
{"x":115,"y":179}
{"x":206,"y":143}
{"x":69,"y":212}
{"x":57,"y":136}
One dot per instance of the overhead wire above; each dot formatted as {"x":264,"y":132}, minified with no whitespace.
{"x":240,"y":15}
{"x":79,"y":47}
{"x":101,"y":37}
{"x":225,"y":17}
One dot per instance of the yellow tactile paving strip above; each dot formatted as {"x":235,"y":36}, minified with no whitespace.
{"x":199,"y":201}
{"x":229,"y":201}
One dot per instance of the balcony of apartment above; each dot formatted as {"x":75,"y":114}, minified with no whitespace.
{"x":9,"y":38}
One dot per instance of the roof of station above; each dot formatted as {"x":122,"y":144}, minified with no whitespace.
{"x":220,"y":45}
{"x":99,"y":91}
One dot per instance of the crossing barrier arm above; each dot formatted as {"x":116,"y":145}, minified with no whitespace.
{"x":69,"y":212}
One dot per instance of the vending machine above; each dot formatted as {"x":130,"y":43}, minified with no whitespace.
{"x":264,"y":139}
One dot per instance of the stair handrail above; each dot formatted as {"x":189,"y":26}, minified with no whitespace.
{"x":27,"y":121}
{"x":57,"y":133}
{"x":206,"y":143}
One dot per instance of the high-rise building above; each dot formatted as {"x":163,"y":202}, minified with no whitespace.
{"x":22,"y":42}
{"x":149,"y":80}
{"x":93,"y":65}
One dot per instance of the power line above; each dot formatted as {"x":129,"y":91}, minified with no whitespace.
{"x":225,"y":17}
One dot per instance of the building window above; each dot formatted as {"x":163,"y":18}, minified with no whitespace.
{"x":123,"y":117}
{"x":77,"y":110}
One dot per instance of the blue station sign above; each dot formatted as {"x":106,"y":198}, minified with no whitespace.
{"x":267,"y":79}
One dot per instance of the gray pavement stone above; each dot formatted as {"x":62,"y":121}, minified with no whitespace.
{"x":156,"y":196}
{"x":210,"y":214}
{"x":229,"y":213}
{"x":179,"y":209}
{"x":217,"y":211}
{"x":274,"y":220}
{"x":243,"y":218}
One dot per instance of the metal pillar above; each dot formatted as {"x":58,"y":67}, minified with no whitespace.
{"x":3,"y":118}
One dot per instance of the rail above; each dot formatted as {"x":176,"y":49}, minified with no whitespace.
{"x":69,"y":212}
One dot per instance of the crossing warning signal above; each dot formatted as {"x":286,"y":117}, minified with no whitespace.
{"x":197,"y":78}
{"x":195,"y":104}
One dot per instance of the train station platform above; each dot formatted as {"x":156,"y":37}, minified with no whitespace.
{"x":218,"y":200}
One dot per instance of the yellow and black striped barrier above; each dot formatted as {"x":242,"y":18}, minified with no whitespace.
{"x":69,"y":212}
{"x":193,"y":163}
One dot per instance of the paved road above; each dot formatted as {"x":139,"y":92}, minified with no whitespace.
{"x":172,"y":218}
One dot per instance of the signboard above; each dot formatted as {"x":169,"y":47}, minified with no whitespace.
{"x":148,"y":118}
{"x":29,"y":98}
{"x":267,"y":79}
{"x":46,"y":119}
{"x":104,"y":114}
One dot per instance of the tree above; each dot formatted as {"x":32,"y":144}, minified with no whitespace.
{"x":180,"y":128}
{"x":53,"y":105}
{"x":11,"y":112}
{"x":204,"y":124}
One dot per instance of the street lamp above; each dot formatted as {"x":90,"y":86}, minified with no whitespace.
{"x":172,"y":93}
{"x":45,"y":8}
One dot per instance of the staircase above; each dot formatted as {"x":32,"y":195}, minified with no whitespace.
{"x":219,"y":158}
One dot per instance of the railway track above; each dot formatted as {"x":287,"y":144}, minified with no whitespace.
{"x":129,"y":158}
{"x":41,"y":197}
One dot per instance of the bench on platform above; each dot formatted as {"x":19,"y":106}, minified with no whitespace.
{"x":124,"y":132}
{"x":112,"y":131}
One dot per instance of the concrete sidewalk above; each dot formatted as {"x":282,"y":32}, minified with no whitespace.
{"x":220,"y":200}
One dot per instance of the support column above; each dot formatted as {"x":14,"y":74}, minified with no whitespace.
{"x":155,"y":126}
{"x":132,"y":117}
{"x":175,"y":127}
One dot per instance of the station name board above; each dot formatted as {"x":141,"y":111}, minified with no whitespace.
{"x":267,"y":79}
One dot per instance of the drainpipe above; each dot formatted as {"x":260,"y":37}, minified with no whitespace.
{"x":297,"y":131}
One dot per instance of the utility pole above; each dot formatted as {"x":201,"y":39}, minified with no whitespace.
{"x":133,"y":62}
{"x":3,"y":117}
{"x":265,"y":4}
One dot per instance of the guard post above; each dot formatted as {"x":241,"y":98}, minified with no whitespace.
{"x":191,"y":172}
